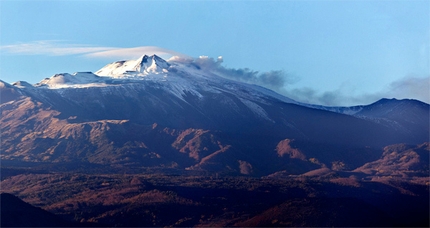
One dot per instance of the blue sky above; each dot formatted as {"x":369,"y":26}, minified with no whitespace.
{"x":329,"y":52}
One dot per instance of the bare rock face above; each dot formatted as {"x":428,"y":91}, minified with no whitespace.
{"x":284,"y":148}
{"x":400,"y":160}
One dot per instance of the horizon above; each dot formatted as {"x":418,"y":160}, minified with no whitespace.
{"x":326,"y":53}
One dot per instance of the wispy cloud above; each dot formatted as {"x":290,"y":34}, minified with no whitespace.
{"x":127,"y":53}
{"x":58,"y":48}
{"x":274,"y":80}
{"x":410,"y":87}
{"x":50,"y":47}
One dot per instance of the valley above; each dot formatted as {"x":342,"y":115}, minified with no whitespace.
{"x":214,"y":200}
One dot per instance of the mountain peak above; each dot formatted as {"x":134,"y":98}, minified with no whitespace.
{"x":394,"y":101}
{"x":65,"y":80}
{"x":142,"y":66}
{"x":4,"y":84}
{"x":22,"y":84}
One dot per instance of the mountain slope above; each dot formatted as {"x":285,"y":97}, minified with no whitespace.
{"x":17,"y":213}
{"x":403,"y":115}
{"x":401,"y":161}
{"x":150,"y":112}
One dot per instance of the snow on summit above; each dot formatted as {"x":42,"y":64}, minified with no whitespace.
{"x":140,"y":67}
{"x":64,"y":80}
{"x":127,"y":69}
{"x":177,"y":76}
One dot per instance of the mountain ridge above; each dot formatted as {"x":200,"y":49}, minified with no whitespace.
{"x":139,"y":117}
{"x":142,"y":66}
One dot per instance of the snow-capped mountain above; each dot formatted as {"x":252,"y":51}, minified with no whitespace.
{"x":140,"y":67}
{"x":174,"y":113}
{"x":175,"y":77}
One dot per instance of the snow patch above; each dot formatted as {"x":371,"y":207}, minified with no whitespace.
{"x":76,"y":80}
{"x":22,"y":84}
{"x":256,"y":109}
{"x":139,"y":67}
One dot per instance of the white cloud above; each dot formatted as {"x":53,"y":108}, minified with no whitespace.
{"x":50,"y":47}
{"x":130,"y":53}
{"x":58,"y":48}
{"x":411,"y":87}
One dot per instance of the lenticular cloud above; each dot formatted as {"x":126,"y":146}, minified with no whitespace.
{"x":130,"y":53}
{"x":58,"y":48}
{"x":51,"y":47}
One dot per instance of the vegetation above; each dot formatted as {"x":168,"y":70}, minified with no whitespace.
{"x":155,"y":199}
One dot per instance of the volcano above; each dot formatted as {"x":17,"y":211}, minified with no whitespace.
{"x":176,"y":115}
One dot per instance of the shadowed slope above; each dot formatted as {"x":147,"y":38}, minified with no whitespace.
{"x":17,"y":213}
